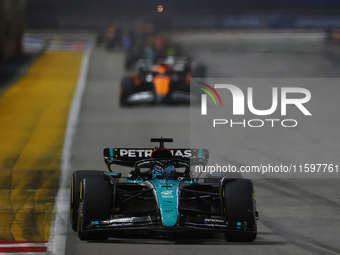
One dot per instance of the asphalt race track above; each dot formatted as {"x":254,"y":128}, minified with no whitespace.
{"x":297,"y":216}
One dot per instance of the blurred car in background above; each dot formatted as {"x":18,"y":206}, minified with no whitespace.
{"x":111,"y":38}
{"x":166,"y":82}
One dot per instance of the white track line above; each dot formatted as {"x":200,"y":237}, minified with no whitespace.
{"x":57,"y":241}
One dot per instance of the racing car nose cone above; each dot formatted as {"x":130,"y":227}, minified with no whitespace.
{"x":167,"y":199}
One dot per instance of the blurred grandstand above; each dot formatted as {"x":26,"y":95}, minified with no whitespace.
{"x":122,"y":16}
{"x":185,"y":14}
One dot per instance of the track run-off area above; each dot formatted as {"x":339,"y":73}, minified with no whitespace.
{"x":34,"y":114}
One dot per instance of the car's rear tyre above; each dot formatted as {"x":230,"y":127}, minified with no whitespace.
{"x":95,"y":205}
{"x":200,"y":71}
{"x":239,"y":208}
{"x":130,"y":60}
{"x":77,"y":177}
{"x":126,"y":89}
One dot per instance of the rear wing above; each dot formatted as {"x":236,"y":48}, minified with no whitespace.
{"x":129,"y":156}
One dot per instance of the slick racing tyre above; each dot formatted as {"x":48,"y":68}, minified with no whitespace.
{"x":126,"y":89}
{"x":200,"y":71}
{"x":95,"y":205}
{"x":77,"y":177}
{"x":239,"y":208}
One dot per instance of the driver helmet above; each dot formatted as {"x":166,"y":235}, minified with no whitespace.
{"x":171,"y":51}
{"x":157,"y":172}
{"x":170,"y":172}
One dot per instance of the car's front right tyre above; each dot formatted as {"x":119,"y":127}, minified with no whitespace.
{"x":77,"y":177}
{"x":94,"y":205}
{"x":127,"y":88}
{"x":239,"y":208}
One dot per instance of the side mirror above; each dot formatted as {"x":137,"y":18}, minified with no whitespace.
{"x":114,"y":174}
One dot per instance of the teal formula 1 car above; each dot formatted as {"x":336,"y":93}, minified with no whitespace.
{"x":161,"y":195}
